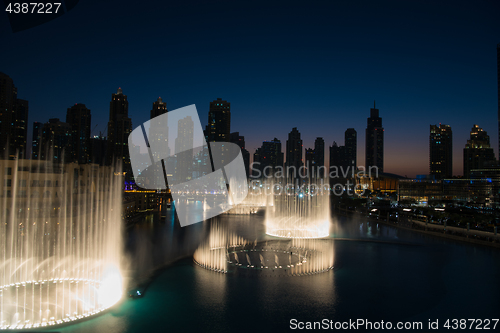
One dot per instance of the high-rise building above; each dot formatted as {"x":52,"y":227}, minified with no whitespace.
{"x":257,"y":163}
{"x":351,"y":146}
{"x":159,"y":108}
{"x":159,"y":131}
{"x":78,"y":117}
{"x":270,"y":157}
{"x":343,"y":159}
{"x":441,"y":151}
{"x":498,"y":95}
{"x":477,"y":151}
{"x":310,"y":160}
{"x":293,"y":153}
{"x":219,"y":121}
{"x":319,"y":158}
{"x":240,"y":141}
{"x":20,"y":128}
{"x":374,"y":155}
{"x":99,"y":145}
{"x":36,"y":140}
{"x":184,"y":149}
{"x":119,"y":128}
{"x":13,"y":120}
{"x":56,"y":141}
{"x":338,"y":157}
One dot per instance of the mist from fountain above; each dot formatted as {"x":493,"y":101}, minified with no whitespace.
{"x":299,"y":211}
{"x":212,"y":253}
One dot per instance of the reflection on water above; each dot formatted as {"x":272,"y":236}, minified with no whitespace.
{"x":381,"y":273}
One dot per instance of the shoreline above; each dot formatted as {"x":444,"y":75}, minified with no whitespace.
{"x":440,"y":234}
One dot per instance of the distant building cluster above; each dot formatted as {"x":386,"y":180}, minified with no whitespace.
{"x":72,"y":141}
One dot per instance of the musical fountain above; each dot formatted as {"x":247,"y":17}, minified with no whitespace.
{"x":299,"y":212}
{"x":299,"y":218}
{"x":62,"y":249}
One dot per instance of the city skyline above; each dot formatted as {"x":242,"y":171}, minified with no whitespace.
{"x":159,"y":102}
{"x":317,"y":68}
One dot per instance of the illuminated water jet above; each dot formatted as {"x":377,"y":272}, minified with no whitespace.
{"x":62,"y":249}
{"x":226,"y":252}
{"x":299,"y":212}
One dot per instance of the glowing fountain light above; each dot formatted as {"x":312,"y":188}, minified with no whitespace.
{"x":256,"y":198}
{"x":62,"y":244}
{"x":299,"y":212}
{"x":212,"y":253}
{"x":225,"y":252}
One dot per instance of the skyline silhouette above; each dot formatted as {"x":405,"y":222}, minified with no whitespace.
{"x":317,"y":68}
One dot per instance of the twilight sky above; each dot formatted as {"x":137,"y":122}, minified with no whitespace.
{"x":315,"y":65}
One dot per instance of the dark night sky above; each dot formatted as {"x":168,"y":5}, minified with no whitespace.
{"x":317,"y":66}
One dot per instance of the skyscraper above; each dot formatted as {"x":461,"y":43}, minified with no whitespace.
{"x":119,"y":128}
{"x":343,"y":158}
{"x":498,"y":95}
{"x":477,"y":151}
{"x":219,"y":121}
{"x":99,"y":145}
{"x":441,"y":151}
{"x":159,"y":108}
{"x":374,"y":155}
{"x":184,"y":149}
{"x":351,"y":146}
{"x":319,"y":158}
{"x":310,"y":162}
{"x":238,"y":139}
{"x":13,"y":120}
{"x":293,"y":153}
{"x":78,"y":117}
{"x":269,"y":157}
{"x":158,"y":132}
{"x":36,"y":140}
{"x":337,"y":157}
{"x":56,"y":141}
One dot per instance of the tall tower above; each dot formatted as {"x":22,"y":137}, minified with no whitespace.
{"x":219,"y":121}
{"x":351,"y":147}
{"x":498,"y":95}
{"x":269,"y":157}
{"x":119,"y":128}
{"x":238,"y":139}
{"x":337,"y":158}
{"x":319,"y":158}
{"x":293,"y":153}
{"x":441,"y":151}
{"x":78,"y":117}
{"x":36,"y":140}
{"x":477,"y":151}
{"x":158,"y":132}
{"x":13,"y":118}
{"x":374,"y":155}
{"x":159,"y":108}
{"x":56,"y":141}
{"x":184,"y":149}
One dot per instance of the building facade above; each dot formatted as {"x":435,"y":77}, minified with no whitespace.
{"x":79,"y":119}
{"x":441,"y":151}
{"x":477,"y":152}
{"x":13,"y":120}
{"x":319,"y":158}
{"x":351,"y":146}
{"x":374,"y":139}
{"x":56,"y":142}
{"x":119,"y":128}
{"x":268,"y":158}
{"x":294,"y":153}
{"x":219,"y":121}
